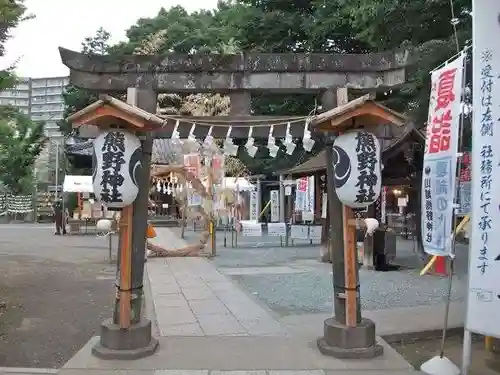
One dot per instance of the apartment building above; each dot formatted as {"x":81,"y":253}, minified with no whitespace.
{"x":19,"y":96}
{"x":40,"y":98}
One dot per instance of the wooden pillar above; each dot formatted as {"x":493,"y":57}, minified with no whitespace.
{"x":146,"y":99}
{"x":240,"y":103}
{"x":336,"y":234}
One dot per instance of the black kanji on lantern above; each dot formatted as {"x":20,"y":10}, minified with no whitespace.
{"x":113,"y":151}
{"x":366,"y":150}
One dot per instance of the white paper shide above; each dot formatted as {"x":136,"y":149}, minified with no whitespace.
{"x":116,"y":167}
{"x":357,"y":168}
{"x":440,"y":158}
{"x":484,"y":251}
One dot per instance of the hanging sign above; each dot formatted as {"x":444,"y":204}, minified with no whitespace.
{"x":465,"y":185}
{"x":310,"y":196}
{"x":324,"y":205}
{"x":483,"y":302}
{"x":192,"y":164}
{"x":357,"y":168}
{"x":253,"y":206}
{"x":383,"y":204}
{"x":251,"y":229}
{"x":218,"y":169}
{"x":301,"y":194}
{"x":440,"y":158}
{"x":116,"y":168}
{"x":276,"y":229}
{"x":275,"y":206}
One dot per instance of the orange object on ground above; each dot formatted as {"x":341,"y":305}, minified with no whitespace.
{"x":151,"y":233}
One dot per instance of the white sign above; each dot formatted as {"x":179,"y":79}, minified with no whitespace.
{"x":310,"y":196}
{"x":253,"y":206}
{"x":402,"y":202}
{"x":324,"y":205}
{"x":194,"y":200}
{"x":440,"y":158}
{"x":484,"y":268}
{"x":251,"y":229}
{"x":299,"y":232}
{"x":117,"y":159}
{"x":315,"y":232}
{"x":288,"y":191}
{"x":275,"y":206}
{"x":276,"y":229}
{"x":383,"y":203}
{"x":357,"y":168}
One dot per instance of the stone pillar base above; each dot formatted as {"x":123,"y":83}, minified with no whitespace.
{"x":340,"y":341}
{"x":133,"y":343}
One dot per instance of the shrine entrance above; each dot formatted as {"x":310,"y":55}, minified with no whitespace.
{"x":238,"y":76}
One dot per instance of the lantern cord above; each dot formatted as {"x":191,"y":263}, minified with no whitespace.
{"x":140,"y":287}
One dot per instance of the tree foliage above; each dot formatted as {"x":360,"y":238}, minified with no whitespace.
{"x":281,"y":26}
{"x":12,"y":12}
{"x":76,"y":98}
{"x":21,"y":141}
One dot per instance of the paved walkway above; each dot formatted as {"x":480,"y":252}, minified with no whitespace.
{"x":207,"y":325}
{"x":191,"y":298}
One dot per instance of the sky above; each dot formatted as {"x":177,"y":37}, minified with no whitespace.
{"x":34,"y":44}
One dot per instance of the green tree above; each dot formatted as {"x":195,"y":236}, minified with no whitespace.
{"x":75,"y":98}
{"x":21,"y":141}
{"x":423,"y":26}
{"x":12,"y":12}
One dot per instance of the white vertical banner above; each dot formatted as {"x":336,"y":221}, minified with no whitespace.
{"x":253,"y":214}
{"x":440,"y":158}
{"x":301,"y":194}
{"x":310,"y":195}
{"x":484,"y":253}
{"x":383,"y":204}
{"x":275,"y":206}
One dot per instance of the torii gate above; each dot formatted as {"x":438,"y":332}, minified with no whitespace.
{"x":239,"y":76}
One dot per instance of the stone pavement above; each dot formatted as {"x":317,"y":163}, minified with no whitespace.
{"x":207,"y":325}
{"x":191,"y":298}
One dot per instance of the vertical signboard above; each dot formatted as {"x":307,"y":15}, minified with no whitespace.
{"x":253,"y":214}
{"x":275,"y":206}
{"x":440,"y":158}
{"x":484,"y":253}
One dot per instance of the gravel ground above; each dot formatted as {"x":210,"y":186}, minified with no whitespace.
{"x":292,"y":280}
{"x":419,"y":351}
{"x":56,"y":291}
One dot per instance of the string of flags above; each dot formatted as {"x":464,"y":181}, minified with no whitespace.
{"x":230,"y":149}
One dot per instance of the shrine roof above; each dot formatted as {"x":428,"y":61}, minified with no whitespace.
{"x":362,"y":112}
{"x":109,"y":111}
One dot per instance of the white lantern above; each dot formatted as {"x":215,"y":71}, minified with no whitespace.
{"x":116,"y":167}
{"x":357,"y":169}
